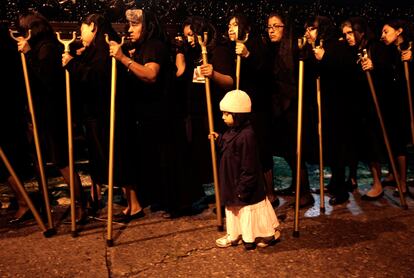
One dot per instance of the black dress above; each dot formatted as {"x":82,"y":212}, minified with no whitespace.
{"x":13,"y":117}
{"x":197,"y":121}
{"x":333,"y":70}
{"x":394,"y":102}
{"x":91,"y":78}
{"x":159,"y":149}
{"x":47,"y":81}
{"x":255,"y":82}
{"x":365,"y":132}
{"x":338,"y":150}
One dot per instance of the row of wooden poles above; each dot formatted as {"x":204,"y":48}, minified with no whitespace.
{"x":48,"y":231}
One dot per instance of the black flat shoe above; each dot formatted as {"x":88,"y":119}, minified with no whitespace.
{"x":365,"y":197}
{"x":121,"y":217}
{"x":249,"y":245}
{"x":24,"y":217}
{"x":125,"y":218}
{"x":137,"y":215}
{"x":337,"y":200}
{"x":286,"y":192}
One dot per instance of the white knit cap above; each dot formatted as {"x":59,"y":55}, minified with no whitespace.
{"x":236,"y":101}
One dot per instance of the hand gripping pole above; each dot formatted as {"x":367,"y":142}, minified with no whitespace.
{"x":238,"y":62}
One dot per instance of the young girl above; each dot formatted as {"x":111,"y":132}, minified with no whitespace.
{"x":249,"y":214}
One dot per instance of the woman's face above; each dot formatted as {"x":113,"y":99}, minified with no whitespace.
{"x":135,"y":31}
{"x":390,"y":35}
{"x":275,"y":28}
{"x":233,"y":29}
{"x":311,"y":34}
{"x":349,"y":35}
{"x":87,"y":33}
{"x":189,"y":35}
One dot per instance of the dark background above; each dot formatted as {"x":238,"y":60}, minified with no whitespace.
{"x":173,"y":12}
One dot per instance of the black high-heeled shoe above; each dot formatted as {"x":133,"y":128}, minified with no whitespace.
{"x":24,"y":217}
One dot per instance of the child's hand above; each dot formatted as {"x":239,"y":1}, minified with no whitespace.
{"x":213,"y":135}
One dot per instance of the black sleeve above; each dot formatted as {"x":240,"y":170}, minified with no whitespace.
{"x":91,"y":66}
{"x":222,"y":60}
{"x":257,"y":57}
{"x":154,"y":52}
{"x":46,"y":65}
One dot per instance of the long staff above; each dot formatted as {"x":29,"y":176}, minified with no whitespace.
{"x":301,"y":44}
{"x":22,"y":190}
{"x":66,"y":43}
{"x":384,"y":133}
{"x":35,"y":133}
{"x":410,"y":101}
{"x":203,"y":44}
{"x":109,"y":240}
{"x":321,"y":164}
{"x":238,"y":61}
{"x":321,"y":173}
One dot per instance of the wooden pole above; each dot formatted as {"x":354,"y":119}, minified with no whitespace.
{"x":22,"y":190}
{"x":321,"y":167}
{"x":109,"y":239}
{"x":35,"y":132}
{"x":67,"y":43}
{"x":203,"y":44}
{"x":301,"y":44}
{"x":384,"y":134}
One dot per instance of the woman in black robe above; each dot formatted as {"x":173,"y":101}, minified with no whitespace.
{"x":254,"y":81}
{"x":397,"y":34}
{"x":327,"y":58}
{"x":366,"y":132}
{"x":283,"y":87}
{"x":47,"y":81}
{"x":90,"y":72}
{"x":13,"y":122}
{"x":220,"y":70}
